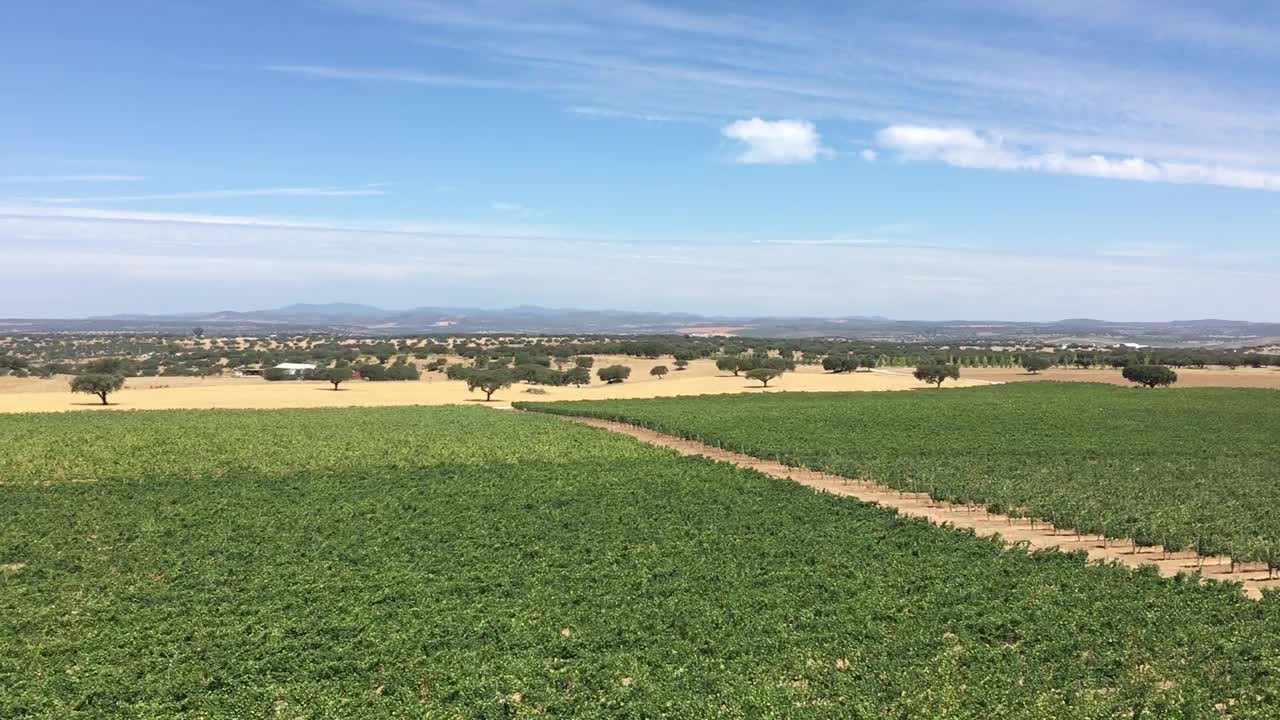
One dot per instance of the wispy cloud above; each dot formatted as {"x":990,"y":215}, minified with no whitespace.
{"x":398,"y":75}
{"x":83,"y":178}
{"x":1063,"y":82}
{"x":967,"y":148}
{"x":371,"y":190}
{"x":777,"y":142}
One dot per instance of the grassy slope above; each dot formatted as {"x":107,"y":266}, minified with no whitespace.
{"x":452,"y":562}
{"x":1181,"y":467}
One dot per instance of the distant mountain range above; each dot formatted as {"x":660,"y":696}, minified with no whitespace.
{"x":369,"y":320}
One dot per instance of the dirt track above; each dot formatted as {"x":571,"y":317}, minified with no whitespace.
{"x":985,"y":524}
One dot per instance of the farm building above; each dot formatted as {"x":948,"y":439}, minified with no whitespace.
{"x":294,"y":368}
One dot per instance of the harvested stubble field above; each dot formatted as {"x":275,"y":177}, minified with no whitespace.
{"x":456,"y":562}
{"x":19,"y":395}
{"x":1194,"y":468}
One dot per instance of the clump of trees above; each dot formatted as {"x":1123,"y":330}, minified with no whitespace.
{"x":1034,"y":363}
{"x":400,"y":370}
{"x":614,"y":374}
{"x":937,"y":373}
{"x":1150,"y":375}
{"x":97,"y":383}
{"x":847,"y":362}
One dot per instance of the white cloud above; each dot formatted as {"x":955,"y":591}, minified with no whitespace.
{"x":775,"y":141}
{"x":967,"y":148}
{"x":87,"y":178}
{"x":869,"y":155}
{"x":370,"y":190}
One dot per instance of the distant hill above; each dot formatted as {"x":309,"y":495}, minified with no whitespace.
{"x":369,"y":320}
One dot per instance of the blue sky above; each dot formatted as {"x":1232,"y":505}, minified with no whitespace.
{"x":948,"y":159}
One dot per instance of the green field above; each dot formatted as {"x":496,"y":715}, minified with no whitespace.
{"x":1195,"y":468}
{"x":467,"y":563}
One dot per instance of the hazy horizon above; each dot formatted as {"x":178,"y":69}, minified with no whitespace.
{"x":206,"y":312}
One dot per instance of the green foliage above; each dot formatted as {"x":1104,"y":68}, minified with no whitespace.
{"x":460,"y":563}
{"x":614,"y":373}
{"x":1035,"y":362}
{"x":578,"y":376}
{"x":400,"y":370}
{"x":1187,"y":467}
{"x":729,"y":364}
{"x":840,"y":363}
{"x":109,"y":366}
{"x":658,"y":371}
{"x":458,"y":371}
{"x":764,"y":374}
{"x":336,"y":375}
{"x":99,"y":384}
{"x":585,"y":362}
{"x":1150,"y":375}
{"x":489,"y":381}
{"x":936,"y":373}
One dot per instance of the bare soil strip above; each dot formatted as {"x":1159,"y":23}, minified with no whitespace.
{"x":1036,"y":535}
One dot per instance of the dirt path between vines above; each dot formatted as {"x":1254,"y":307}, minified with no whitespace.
{"x":985,"y":524}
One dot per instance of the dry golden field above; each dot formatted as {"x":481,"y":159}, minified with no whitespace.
{"x":702,"y":378}
{"x":166,"y":393}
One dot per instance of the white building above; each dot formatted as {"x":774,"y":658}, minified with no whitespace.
{"x":295,"y":368}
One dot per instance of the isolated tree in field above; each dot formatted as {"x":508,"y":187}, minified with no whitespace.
{"x":336,"y":375}
{"x":937,"y":373}
{"x":658,"y":371}
{"x":489,"y":381}
{"x":867,"y":362}
{"x":577,"y":376}
{"x":614,"y":374}
{"x":100,"y":384}
{"x":681,"y":363}
{"x":198,"y":332}
{"x":1150,"y":375}
{"x":764,"y":374}
{"x":584,"y":361}
{"x":1035,"y":363}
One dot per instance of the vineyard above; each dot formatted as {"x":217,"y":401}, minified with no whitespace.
{"x":461,"y":562}
{"x":1195,"y":469}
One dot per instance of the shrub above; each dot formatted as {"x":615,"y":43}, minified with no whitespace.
{"x":1150,"y":375}
{"x":614,"y":374}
